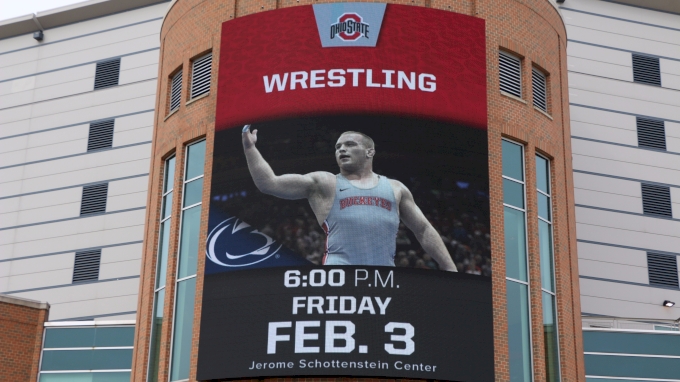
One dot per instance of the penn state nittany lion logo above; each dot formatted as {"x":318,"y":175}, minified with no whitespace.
{"x":234,"y":243}
{"x":350,"y":27}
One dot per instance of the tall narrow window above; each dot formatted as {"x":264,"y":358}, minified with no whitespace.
{"x":651,"y":133}
{"x":516,"y":263}
{"x":187,"y":262}
{"x":539,"y":89}
{"x":200,"y":76}
{"x":175,"y":91}
{"x":646,"y":70}
{"x":545,"y":239}
{"x":510,"y":72}
{"x":100,"y":135}
{"x":107,"y":74}
{"x":161,"y":270}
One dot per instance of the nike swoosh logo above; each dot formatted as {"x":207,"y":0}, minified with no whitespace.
{"x":344,"y":189}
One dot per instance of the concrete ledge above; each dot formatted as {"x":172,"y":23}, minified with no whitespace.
{"x":23,"y":302}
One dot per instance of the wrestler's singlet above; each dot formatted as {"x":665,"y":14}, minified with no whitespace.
{"x":362,"y":226}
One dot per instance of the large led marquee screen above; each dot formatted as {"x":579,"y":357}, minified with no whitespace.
{"x":348,"y":232}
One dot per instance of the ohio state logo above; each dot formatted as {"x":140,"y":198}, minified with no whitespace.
{"x":350,"y":27}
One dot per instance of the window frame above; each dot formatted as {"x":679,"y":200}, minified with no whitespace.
{"x":171,"y":183}
{"x":526,"y":244}
{"x":177,"y":280}
{"x":552,"y":256}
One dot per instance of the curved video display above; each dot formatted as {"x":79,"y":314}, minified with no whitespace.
{"x":348,"y":232}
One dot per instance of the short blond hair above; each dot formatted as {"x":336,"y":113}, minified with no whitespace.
{"x":368,"y":141}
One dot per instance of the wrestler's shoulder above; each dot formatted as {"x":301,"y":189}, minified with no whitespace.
{"x":322,"y":175}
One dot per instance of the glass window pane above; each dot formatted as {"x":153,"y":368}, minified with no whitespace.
{"x":513,"y":193}
{"x":121,"y":376}
{"x":188,"y":250}
{"x":167,"y":206}
{"x":162,"y":267}
{"x":195,"y":160}
{"x":169,"y":174}
{"x":69,"y":338}
{"x":543,"y":206}
{"x":542,"y":174}
{"x":518,"y":332}
{"x":184,"y":313}
{"x":116,"y":336}
{"x":633,"y":343}
{"x":632,"y":367}
{"x":111,"y":377}
{"x":192,"y":192}
{"x":552,"y":367}
{"x":512,"y":160}
{"x":545,"y":246}
{"x":156,"y":327}
{"x":515,"y":245}
{"x":98,"y":359}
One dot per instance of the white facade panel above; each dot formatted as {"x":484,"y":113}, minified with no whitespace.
{"x":623,"y":12}
{"x":675,"y":201}
{"x":76,"y":163}
{"x":37,"y":265}
{"x":672,"y":136}
{"x":630,"y":43}
{"x":126,"y":201}
{"x":599,"y":54}
{"x":628,"y":31}
{"x":40,"y":280}
{"x":81,"y":176}
{"x":65,"y":243}
{"x":627,"y":230}
{"x":47,"y":102}
{"x":594,"y":268}
{"x":88,"y":232}
{"x":18,"y":145}
{"x":628,"y":90}
{"x":88,"y":299}
{"x":627,"y":162}
{"x":600,"y":69}
{"x":37,"y":215}
{"x":607,"y":200}
{"x":603,"y":133}
{"x":80,"y":50}
{"x":624,"y":300}
{"x":128,"y":137}
{"x":120,"y":253}
{"x":608,"y":185}
{"x":614,"y":255}
{"x":96,"y":223}
{"x":120,"y":269}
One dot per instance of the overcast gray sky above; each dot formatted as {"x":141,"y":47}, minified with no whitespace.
{"x":13,"y":8}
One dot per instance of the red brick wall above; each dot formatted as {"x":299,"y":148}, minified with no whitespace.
{"x":21,"y":329}
{"x":531,"y":29}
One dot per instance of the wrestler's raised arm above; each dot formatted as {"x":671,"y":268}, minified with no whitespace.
{"x":287,"y":186}
{"x":427,"y":236}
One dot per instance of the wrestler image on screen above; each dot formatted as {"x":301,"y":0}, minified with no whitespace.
{"x":359,"y":210}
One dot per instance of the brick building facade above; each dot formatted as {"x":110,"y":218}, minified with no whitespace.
{"x":21,"y":332}
{"x":530,"y":29}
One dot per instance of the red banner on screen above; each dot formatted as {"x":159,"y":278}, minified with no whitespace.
{"x":427,"y":63}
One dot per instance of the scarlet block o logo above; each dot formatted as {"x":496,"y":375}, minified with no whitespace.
{"x":350,"y":27}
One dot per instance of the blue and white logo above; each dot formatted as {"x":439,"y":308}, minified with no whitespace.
{"x":234,"y":243}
